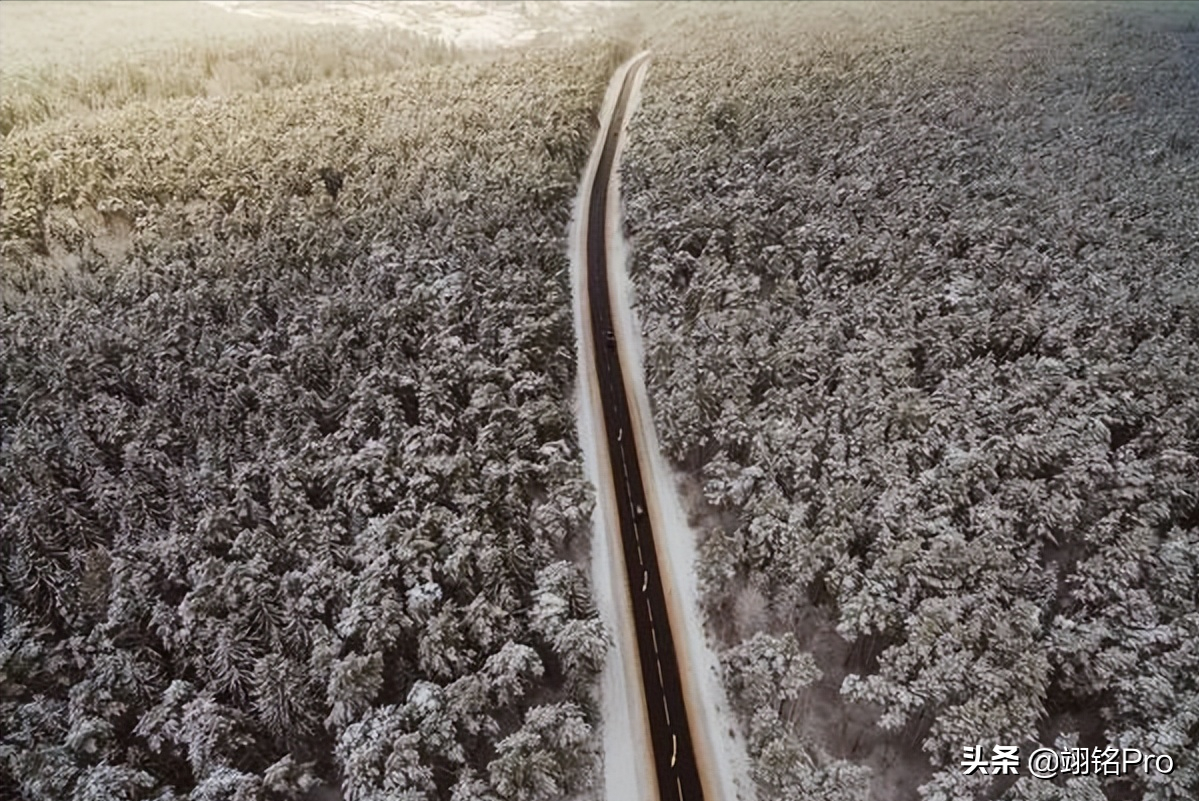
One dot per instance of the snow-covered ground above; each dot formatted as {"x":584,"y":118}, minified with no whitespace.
{"x":471,"y":24}
{"x":627,"y":765}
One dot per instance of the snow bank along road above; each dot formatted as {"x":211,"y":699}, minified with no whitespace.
{"x":661,"y":690}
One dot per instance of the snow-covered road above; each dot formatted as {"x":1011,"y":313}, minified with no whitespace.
{"x":629,"y":771}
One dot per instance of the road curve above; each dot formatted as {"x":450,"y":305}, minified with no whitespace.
{"x":676,"y":771}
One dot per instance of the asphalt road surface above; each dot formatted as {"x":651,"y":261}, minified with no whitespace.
{"x":675,"y":765}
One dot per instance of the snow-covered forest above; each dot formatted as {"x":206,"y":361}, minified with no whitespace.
{"x":920,"y":290}
{"x":291,"y":490}
{"x":291,"y":503}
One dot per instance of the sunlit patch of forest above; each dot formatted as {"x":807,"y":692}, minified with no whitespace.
{"x":292,"y":504}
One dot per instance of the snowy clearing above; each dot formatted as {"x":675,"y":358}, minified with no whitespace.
{"x":468,"y":24}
